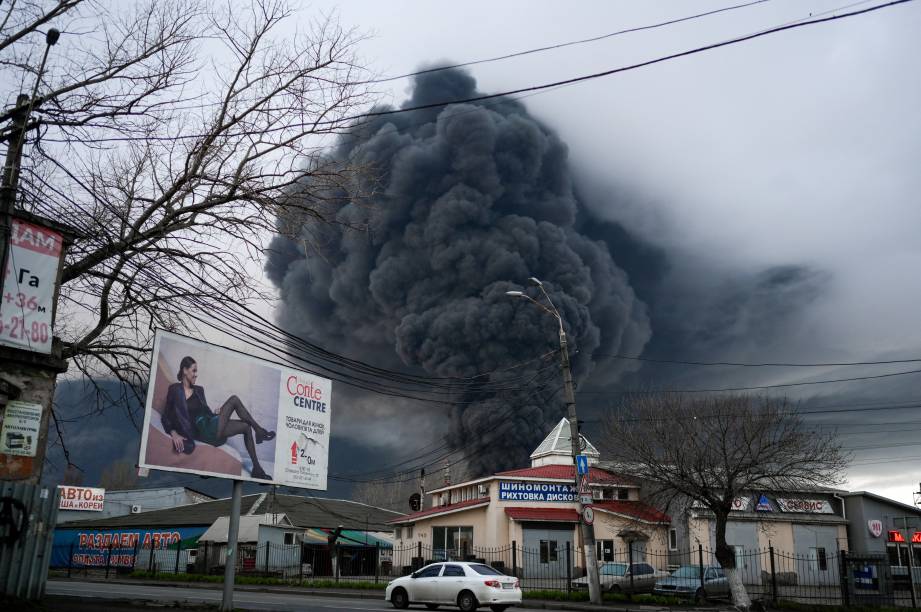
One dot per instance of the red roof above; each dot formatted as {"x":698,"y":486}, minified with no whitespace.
{"x":566,"y":515}
{"x":566,"y":472}
{"x":470,"y":503}
{"x":635,"y":509}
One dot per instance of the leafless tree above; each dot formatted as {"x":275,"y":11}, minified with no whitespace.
{"x":710,"y":450}
{"x":121,"y":475}
{"x":168,"y":132}
{"x":389,"y":495}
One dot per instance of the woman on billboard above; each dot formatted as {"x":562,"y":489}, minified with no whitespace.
{"x":187,"y":418}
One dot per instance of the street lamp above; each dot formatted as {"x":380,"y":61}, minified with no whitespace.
{"x":588,"y":532}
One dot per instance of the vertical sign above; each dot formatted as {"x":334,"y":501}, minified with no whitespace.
{"x":582,"y":464}
{"x":27,"y":294}
{"x":19,"y":432}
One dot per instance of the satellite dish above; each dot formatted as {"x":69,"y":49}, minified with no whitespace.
{"x":415,"y":502}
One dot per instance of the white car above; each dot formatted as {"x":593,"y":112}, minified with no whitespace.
{"x":455,"y":583}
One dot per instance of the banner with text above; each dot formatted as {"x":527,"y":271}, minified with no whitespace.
{"x":117,"y":547}
{"x":81,"y":498}
{"x":27,"y":294}
{"x":213,"y":411}
{"x":537,"y":492}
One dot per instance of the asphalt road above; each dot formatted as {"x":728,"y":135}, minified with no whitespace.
{"x":246,"y":600}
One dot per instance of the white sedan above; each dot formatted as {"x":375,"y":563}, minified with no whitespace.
{"x":465,"y":585}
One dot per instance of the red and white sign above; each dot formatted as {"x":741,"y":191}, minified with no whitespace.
{"x":876,"y":527}
{"x":81,"y":498}
{"x":812,"y":506}
{"x":29,"y":285}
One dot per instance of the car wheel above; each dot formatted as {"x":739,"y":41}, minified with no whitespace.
{"x":499,"y":608}
{"x":399,"y":599}
{"x":467,"y":602}
{"x":432,"y":606}
{"x":699,"y":597}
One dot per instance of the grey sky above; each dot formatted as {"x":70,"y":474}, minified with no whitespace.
{"x":794,"y":149}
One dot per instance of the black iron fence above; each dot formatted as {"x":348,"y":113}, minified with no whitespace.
{"x":768,"y":574}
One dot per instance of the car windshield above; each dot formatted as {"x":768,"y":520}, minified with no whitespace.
{"x":485,"y":570}
{"x":613,"y":569}
{"x":687,"y":571}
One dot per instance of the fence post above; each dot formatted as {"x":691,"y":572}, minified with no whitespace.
{"x":337,"y":559}
{"x":845,"y":586}
{"x":178,"y":553}
{"x":70,"y":559}
{"x":265,"y":565}
{"x":514,"y":559}
{"x":773,"y":576}
{"x":630,"y":566}
{"x":377,"y":564}
{"x":134,"y":557}
{"x":109,"y":558}
{"x":911,"y":578}
{"x":300,"y":563}
{"x":150,"y":562}
{"x":700,"y":557}
{"x":568,"y":568}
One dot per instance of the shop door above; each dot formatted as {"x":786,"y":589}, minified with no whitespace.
{"x":544,"y":551}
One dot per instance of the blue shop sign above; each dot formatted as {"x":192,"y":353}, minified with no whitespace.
{"x":537,"y":492}
{"x":117,"y":547}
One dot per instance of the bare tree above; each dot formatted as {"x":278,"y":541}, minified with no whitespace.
{"x":122,"y":474}
{"x":389,"y":495}
{"x":710,"y":450}
{"x":168,"y":132}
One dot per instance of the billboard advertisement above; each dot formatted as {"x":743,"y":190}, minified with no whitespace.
{"x":117,"y":547}
{"x":81,"y":498}
{"x":29,"y":286}
{"x":213,"y":411}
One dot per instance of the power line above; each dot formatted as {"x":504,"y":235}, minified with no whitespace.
{"x":562,"y":45}
{"x":779,"y":364}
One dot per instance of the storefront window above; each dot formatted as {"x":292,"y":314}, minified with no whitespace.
{"x":452,"y":543}
{"x":898,"y":555}
{"x":916,"y":555}
{"x":548,"y":552}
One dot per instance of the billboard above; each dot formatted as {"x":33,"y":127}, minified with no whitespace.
{"x":81,"y":498}
{"x":28,"y":288}
{"x":213,"y":411}
{"x":117,"y":547}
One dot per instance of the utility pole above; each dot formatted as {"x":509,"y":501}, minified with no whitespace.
{"x":587,"y":531}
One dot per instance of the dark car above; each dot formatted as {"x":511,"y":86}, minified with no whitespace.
{"x":685,"y":582}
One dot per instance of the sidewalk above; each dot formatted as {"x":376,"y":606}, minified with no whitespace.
{"x":379,"y":595}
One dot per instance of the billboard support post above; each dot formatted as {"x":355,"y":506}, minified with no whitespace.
{"x":233,"y":530}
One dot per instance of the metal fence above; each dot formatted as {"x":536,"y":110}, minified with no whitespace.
{"x":768,"y":574}
{"x":27,"y":517}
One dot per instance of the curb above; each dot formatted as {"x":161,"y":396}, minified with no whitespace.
{"x":541,"y":604}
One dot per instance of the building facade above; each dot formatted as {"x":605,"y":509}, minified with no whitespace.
{"x":533,"y":512}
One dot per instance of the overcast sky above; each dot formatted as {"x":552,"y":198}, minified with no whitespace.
{"x":798,"y":149}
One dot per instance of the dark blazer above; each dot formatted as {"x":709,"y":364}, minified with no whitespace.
{"x":176,"y":414}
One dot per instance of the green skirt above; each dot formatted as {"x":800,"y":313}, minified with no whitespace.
{"x":206,"y":429}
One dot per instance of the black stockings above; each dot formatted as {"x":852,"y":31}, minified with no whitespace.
{"x":244,"y":426}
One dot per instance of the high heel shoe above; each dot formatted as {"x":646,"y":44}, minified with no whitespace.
{"x":263,"y":435}
{"x":260,"y":474}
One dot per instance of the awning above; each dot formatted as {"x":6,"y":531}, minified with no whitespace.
{"x":556,"y":515}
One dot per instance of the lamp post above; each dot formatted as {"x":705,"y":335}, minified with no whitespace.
{"x":588,"y":531}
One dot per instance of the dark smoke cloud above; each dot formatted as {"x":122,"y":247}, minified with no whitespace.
{"x":467,"y":202}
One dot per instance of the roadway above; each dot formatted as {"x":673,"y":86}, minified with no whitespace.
{"x":243,"y":600}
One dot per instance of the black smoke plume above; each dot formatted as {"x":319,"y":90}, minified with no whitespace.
{"x":457,"y":206}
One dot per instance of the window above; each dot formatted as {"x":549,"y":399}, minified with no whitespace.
{"x":597,"y":494}
{"x":397,"y":533}
{"x":818,"y":561}
{"x":916,"y":556}
{"x":898,"y":555}
{"x":673,"y":539}
{"x":409,"y":532}
{"x":605,"y":550}
{"x":739,"y":552}
{"x":289,"y":539}
{"x":429,"y":572}
{"x":710,"y":575}
{"x":452,"y":542}
{"x":485,"y":570}
{"x":623,"y":494}
{"x":453,"y":570}
{"x":548,"y":551}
